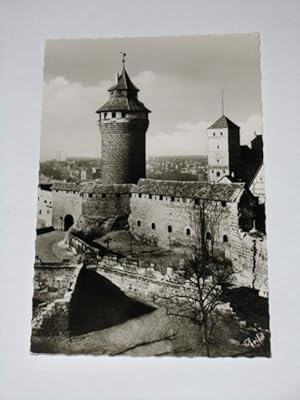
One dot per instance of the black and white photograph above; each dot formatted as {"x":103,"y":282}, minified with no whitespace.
{"x":151,"y":230}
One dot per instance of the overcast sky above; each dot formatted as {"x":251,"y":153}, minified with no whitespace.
{"x":180,"y":80}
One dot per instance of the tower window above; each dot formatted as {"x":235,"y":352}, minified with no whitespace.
{"x":113,"y":115}
{"x":218,"y":147}
{"x":170,"y":230}
{"x":188,"y":232}
{"x":138,"y":222}
{"x":153,"y":226}
{"x":214,"y":133}
{"x":208,"y":236}
{"x":221,"y":133}
{"x":218,"y":160}
{"x":225,"y":238}
{"x":218,"y":173}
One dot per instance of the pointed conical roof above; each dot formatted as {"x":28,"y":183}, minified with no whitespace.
{"x":124,"y":83}
{"x":222,"y":123}
{"x":123,"y":96}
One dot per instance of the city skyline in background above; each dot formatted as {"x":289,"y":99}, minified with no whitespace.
{"x":180,"y":80}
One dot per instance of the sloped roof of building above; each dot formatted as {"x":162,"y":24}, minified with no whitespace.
{"x":259,"y":169}
{"x":222,"y":123}
{"x":69,"y":186}
{"x":99,"y":188}
{"x":120,"y":101}
{"x":230,"y":179}
{"x":124,"y":83}
{"x":123,"y":103}
{"x":201,"y":190}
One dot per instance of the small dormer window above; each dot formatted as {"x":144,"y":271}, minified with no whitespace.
{"x":113,"y":115}
{"x":105,"y":115}
{"x":123,"y":114}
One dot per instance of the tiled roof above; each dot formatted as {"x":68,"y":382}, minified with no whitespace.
{"x":98,"y":188}
{"x":70,"y":186}
{"x":222,"y":123}
{"x":120,"y":101}
{"x":124,"y":83}
{"x":201,"y":190}
{"x":123,"y":103}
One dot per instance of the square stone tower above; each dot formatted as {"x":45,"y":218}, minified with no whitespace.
{"x":223,"y":150}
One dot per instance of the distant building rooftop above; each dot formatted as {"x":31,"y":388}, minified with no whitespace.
{"x":222,"y":123}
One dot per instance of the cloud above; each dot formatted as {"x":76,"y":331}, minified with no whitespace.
{"x":182,"y":109}
{"x":187,"y":139}
{"x":69,"y":121}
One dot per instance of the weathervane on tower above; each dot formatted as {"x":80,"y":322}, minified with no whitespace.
{"x":123,"y":59}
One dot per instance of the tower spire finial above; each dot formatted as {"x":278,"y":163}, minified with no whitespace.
{"x":222,"y":102}
{"x":123,"y":59}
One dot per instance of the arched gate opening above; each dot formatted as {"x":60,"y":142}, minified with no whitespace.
{"x":68,"y":222}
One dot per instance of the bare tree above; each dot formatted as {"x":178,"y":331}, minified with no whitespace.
{"x":200,"y":288}
{"x":205,"y":275}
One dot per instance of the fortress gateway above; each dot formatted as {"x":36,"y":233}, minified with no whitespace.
{"x":168,"y":213}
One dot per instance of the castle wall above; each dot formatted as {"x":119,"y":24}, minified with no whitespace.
{"x":248,"y":253}
{"x":65,"y":202}
{"x":44,"y":208}
{"x":52,"y":281}
{"x":52,"y":318}
{"x":179,"y":215}
{"x":145,"y":284}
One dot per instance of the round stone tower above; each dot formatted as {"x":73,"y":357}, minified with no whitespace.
{"x":123,"y":122}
